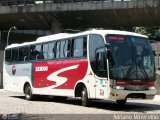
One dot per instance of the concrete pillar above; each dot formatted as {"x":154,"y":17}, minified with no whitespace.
{"x":56,"y":27}
{"x":1,"y":62}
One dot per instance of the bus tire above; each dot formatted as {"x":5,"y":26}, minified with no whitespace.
{"x":121,"y":102}
{"x":84,"y":97}
{"x":28,"y":92}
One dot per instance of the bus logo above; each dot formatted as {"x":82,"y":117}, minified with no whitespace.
{"x":13,"y":69}
{"x":58,"y":79}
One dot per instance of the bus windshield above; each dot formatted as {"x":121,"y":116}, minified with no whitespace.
{"x":131,"y":58}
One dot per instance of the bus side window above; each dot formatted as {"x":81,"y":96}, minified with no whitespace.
{"x":95,"y":42}
{"x":32,"y":49}
{"x":45,"y":51}
{"x":85,"y":47}
{"x":101,"y":67}
{"x":78,"y":47}
{"x":15,"y":54}
{"x":51,"y":50}
{"x":38,"y":52}
{"x":35,"y":52}
{"x":23,"y":53}
{"x":21,"y":56}
{"x":8,"y":57}
{"x":67,"y":48}
{"x":58,"y":48}
{"x":62,"y":49}
{"x":26,"y":53}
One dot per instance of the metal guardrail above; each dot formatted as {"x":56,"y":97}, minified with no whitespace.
{"x":31,"y":2}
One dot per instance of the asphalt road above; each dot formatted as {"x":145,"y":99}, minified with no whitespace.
{"x":15,"y":105}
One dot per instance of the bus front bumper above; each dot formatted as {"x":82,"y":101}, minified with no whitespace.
{"x":124,"y":94}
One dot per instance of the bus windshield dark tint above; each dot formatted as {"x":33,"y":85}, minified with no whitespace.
{"x":131,"y":58}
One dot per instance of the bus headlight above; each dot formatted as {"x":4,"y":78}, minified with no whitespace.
{"x":151,"y":88}
{"x":119,"y":87}
{"x":119,"y":84}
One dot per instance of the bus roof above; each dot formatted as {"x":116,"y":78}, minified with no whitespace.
{"x":68,"y":35}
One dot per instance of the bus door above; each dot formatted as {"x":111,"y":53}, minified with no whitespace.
{"x":101,"y":79}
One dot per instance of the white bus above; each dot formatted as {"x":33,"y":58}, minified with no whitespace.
{"x":95,"y":64}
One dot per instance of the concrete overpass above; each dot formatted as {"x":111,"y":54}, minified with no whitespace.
{"x":77,"y":14}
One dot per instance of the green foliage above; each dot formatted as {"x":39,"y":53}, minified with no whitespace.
{"x":152,"y":32}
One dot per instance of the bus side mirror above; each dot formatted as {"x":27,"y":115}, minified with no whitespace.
{"x":108,"y":50}
{"x":109,"y":54}
{"x":107,"y":47}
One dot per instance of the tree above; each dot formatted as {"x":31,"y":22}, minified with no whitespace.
{"x":152,"y":32}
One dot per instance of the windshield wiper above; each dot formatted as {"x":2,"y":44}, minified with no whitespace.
{"x":138,"y":63}
{"x":131,"y":68}
{"x":141,"y":66}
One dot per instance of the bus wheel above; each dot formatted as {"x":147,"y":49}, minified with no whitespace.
{"x":121,"y":102}
{"x":84,"y":97}
{"x":28,"y":92}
